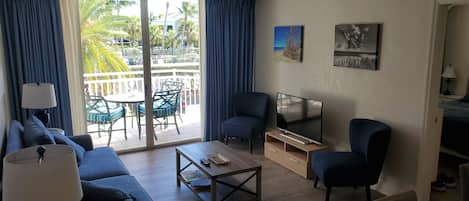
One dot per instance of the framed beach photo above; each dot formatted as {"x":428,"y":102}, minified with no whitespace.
{"x":288,"y":43}
{"x":357,"y":46}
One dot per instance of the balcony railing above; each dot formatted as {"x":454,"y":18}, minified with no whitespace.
{"x":103,"y":84}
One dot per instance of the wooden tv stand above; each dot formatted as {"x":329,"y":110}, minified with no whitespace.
{"x":290,"y":154}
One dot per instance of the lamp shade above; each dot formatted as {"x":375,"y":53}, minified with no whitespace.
{"x":449,"y":72}
{"x":38,"y":96}
{"x":54,"y":179}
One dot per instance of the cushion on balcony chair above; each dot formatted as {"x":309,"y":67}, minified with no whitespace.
{"x":158,"y":110}
{"x":340,"y":168}
{"x":100,"y":115}
{"x":127,"y":184}
{"x":101,"y":162}
{"x":242,"y":126}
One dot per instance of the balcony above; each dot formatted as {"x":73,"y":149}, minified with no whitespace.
{"x":124,"y":83}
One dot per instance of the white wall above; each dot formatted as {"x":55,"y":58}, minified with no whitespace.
{"x":457,"y":47}
{"x":4,"y":107}
{"x":395,"y":94}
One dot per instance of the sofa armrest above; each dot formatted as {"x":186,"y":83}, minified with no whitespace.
{"x":84,"y":140}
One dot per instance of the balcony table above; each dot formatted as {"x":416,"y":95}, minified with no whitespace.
{"x":131,"y":99}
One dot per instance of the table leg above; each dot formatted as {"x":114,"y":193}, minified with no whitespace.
{"x":259,"y":184}
{"x":139,"y":124}
{"x":213,"y":189}
{"x":178,"y":168}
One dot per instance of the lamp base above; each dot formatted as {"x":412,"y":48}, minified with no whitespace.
{"x":43,"y":115}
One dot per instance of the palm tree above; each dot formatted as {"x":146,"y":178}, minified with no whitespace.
{"x":98,"y":28}
{"x":187,"y":10}
{"x":133,"y":29}
{"x":156,"y":35}
{"x":189,"y":32}
{"x":171,"y":38}
{"x":165,"y":24}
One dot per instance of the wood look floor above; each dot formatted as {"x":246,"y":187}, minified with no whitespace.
{"x":156,"y":171}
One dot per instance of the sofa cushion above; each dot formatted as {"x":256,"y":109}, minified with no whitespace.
{"x":100,"y":163}
{"x":242,"y":126}
{"x":35,"y":133}
{"x":15,"y":137}
{"x":340,"y":168}
{"x":127,"y":184}
{"x":97,"y":192}
{"x":62,"y":139}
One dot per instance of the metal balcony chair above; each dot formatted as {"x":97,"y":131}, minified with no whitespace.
{"x":175,"y":85}
{"x":99,"y":111}
{"x":165,"y":105}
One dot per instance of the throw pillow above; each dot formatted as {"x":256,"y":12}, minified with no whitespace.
{"x":62,"y":139}
{"x":95,"y":192}
{"x":35,"y":133}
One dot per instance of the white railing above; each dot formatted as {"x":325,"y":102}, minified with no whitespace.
{"x":103,"y":84}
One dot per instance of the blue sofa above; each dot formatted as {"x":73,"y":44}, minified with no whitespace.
{"x":101,"y":166}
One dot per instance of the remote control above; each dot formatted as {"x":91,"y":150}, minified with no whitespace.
{"x":205,"y":162}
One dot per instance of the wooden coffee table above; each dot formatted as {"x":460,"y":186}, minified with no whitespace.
{"x":241,"y":162}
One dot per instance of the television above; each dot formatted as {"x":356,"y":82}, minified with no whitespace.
{"x":299,"y":118}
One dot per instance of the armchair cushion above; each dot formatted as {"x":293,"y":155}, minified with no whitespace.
{"x":94,"y":192}
{"x":242,"y":126}
{"x":35,"y":133}
{"x":100,"y":163}
{"x":62,"y":139}
{"x":340,"y":168}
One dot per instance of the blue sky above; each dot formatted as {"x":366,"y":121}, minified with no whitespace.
{"x":157,"y":7}
{"x":281,"y":35}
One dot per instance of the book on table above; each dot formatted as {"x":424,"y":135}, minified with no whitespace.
{"x":192,"y":175}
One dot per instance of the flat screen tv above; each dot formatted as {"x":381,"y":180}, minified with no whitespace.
{"x":300,"y":117}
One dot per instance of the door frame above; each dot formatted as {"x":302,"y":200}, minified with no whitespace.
{"x":433,"y":116}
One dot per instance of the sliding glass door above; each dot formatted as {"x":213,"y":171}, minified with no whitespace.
{"x":141,"y":71}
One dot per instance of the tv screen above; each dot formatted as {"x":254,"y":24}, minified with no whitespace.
{"x":300,"y":116}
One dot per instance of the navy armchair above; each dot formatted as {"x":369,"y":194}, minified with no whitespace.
{"x":362,"y":166}
{"x":250,"y":117}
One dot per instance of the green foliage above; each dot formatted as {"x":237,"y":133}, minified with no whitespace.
{"x":188,"y":10}
{"x":133,"y":30}
{"x":98,"y":29}
{"x":156,"y":35}
{"x":190,"y":33}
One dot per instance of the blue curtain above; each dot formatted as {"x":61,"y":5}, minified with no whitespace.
{"x":230,"y":53}
{"x":34,"y":52}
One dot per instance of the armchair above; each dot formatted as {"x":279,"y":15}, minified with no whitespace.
{"x":165,"y":104}
{"x":99,"y":111}
{"x":362,"y":166}
{"x":250,"y":117}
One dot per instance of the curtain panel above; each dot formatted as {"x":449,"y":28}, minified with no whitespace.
{"x":34,"y":52}
{"x":230,"y":31}
{"x":72,"y":43}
